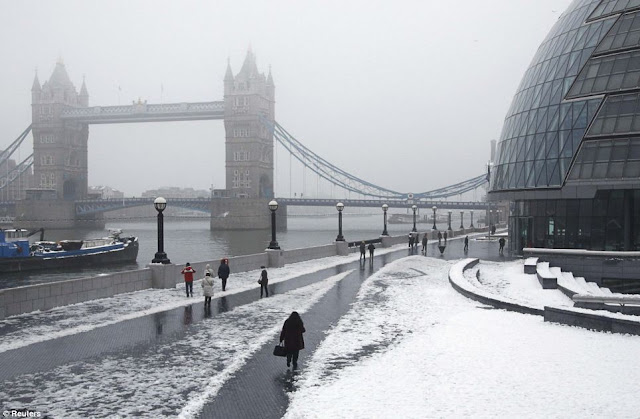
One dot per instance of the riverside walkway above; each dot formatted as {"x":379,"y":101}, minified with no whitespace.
{"x":156,"y":364}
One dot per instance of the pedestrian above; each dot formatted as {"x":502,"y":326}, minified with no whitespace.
{"x":501,"y":242}
{"x":263,"y":281}
{"x":439,"y":237}
{"x":445,"y":237}
{"x":416,"y":240}
{"x":188,"y":272}
{"x":410,"y":240}
{"x":363,"y":251}
{"x":223,"y":272}
{"x":207,"y":288}
{"x":208,"y":269}
{"x":371,"y":248}
{"x":425,"y":240}
{"x":466,"y":244}
{"x":291,"y":335}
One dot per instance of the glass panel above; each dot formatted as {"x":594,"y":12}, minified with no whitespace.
{"x":615,"y":170}
{"x":600,"y":170}
{"x":632,"y":169}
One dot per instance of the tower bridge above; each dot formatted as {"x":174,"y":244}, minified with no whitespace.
{"x":61,"y":117}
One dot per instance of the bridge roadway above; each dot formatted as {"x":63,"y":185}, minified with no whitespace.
{"x":143,"y":112}
{"x":95,"y":206}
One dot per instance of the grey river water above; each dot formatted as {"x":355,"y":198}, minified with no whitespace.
{"x":192,"y":241}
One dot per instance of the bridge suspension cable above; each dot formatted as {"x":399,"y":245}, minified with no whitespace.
{"x":14,"y":173}
{"x":351,"y":183}
{"x":6,"y":153}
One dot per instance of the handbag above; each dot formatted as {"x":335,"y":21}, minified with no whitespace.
{"x":260,"y":281}
{"x":279,"y":350}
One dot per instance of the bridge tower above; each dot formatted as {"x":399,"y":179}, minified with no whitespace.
{"x":59,"y":154}
{"x":249,"y":111}
{"x":59,"y":147}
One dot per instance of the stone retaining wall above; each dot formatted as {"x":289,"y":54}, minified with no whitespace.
{"x":46,"y":296}
{"x":591,"y":321}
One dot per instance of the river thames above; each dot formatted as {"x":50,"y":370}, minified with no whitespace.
{"x":193,"y":241}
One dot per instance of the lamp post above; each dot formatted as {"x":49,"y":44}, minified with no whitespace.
{"x":273,"y":206}
{"x":414,"y":208}
{"x":434,"y":208}
{"x":340,"y":207}
{"x":471,"y":218}
{"x":461,"y":223}
{"x":385,"y":207}
{"x":449,"y":213}
{"x":161,"y":257}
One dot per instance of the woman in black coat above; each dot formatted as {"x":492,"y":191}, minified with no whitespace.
{"x":292,"y":336}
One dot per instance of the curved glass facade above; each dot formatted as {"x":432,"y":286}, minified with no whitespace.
{"x":569,"y":152}
{"x":542,"y":132}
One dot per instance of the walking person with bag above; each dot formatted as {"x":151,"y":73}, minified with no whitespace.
{"x":223,"y":272}
{"x":263,"y":281}
{"x":207,"y":289}
{"x":291,"y":335}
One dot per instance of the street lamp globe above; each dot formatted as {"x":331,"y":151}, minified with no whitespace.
{"x":273,"y":205}
{"x":339,"y":206}
{"x":414,"y":208}
{"x":385,"y":207}
{"x":160,"y":203}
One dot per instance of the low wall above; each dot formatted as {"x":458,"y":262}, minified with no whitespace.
{"x":460,"y":284}
{"x":592,"y":265}
{"x":54,"y":294}
{"x":301,"y":255}
{"x":591,"y":321}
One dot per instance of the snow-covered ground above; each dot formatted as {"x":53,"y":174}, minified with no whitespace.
{"x":168,"y":379}
{"x":507,"y":279}
{"x":25,"y":329}
{"x":411,"y":347}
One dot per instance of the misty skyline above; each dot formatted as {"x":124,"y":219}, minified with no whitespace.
{"x":405,"y":95}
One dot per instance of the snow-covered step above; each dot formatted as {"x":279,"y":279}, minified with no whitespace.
{"x":530,"y":265}
{"x":545,"y":277}
{"x":567,"y":283}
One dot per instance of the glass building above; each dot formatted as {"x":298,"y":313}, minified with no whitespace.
{"x":569,"y":153}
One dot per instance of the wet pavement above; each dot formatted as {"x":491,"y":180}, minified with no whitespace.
{"x":259,"y":388}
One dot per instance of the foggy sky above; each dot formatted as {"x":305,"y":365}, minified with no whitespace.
{"x":404,"y":94}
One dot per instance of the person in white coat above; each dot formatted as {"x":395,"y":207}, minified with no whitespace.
{"x":207,"y":288}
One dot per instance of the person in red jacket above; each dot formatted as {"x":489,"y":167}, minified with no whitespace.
{"x":188,"y":272}
{"x":291,"y":334}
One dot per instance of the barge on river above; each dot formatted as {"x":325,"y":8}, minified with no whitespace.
{"x":17,"y":254}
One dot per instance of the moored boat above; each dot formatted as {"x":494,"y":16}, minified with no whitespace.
{"x":17,"y":254}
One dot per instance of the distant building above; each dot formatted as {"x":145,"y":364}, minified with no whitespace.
{"x":175,"y":192}
{"x":105,"y":192}
{"x":13,"y":188}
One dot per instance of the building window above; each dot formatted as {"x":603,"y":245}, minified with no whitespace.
{"x":241,"y":101}
{"x":241,"y":132}
{"x":47,"y":139}
{"x":241,"y":156}
{"x":46,"y":160}
{"x":47,"y":180}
